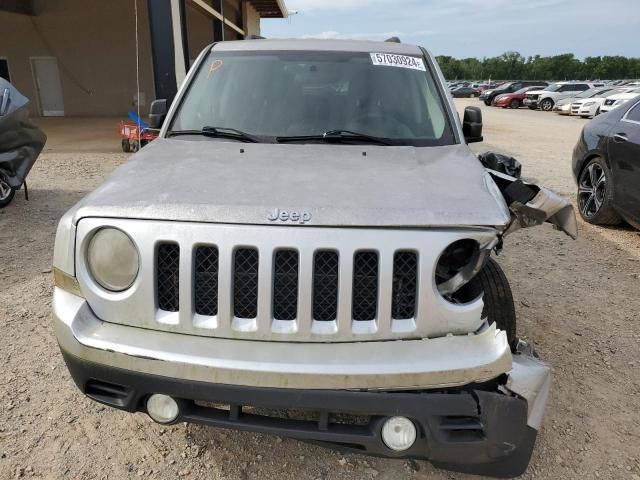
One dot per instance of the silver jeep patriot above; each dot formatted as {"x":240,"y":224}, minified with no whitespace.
{"x":306,"y":250}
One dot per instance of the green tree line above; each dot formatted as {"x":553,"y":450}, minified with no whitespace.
{"x":514,"y":66}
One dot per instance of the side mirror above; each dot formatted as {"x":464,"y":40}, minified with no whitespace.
{"x":472,"y":125}
{"x":157,"y":113}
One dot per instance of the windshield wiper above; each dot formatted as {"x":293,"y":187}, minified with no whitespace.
{"x":336,"y":136}
{"x":219,"y":132}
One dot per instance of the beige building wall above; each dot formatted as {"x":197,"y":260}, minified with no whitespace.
{"x":251,"y":19}
{"x":94,"y":44}
{"x":199,"y":30}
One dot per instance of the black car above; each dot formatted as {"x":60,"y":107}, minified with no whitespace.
{"x":606,"y":166}
{"x":465,"y":92}
{"x":489,"y":95}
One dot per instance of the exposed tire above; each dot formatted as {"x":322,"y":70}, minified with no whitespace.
{"x":596,"y":193}
{"x":135,"y":146}
{"x":7,"y":192}
{"x":547,"y":105}
{"x":597,"y":112}
{"x":515,"y":103}
{"x":126,"y":146}
{"x":498,"y":298}
{"x":487,"y":103}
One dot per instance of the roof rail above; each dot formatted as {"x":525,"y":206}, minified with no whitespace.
{"x":254,"y":37}
{"x":393,"y":40}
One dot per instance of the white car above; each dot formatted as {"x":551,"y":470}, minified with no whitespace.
{"x":591,"y":106}
{"x":547,"y":98}
{"x":563,"y":107}
{"x":615,"y":101}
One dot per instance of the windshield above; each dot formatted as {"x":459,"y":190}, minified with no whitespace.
{"x":553,"y":87}
{"x":291,"y":94}
{"x":611,"y":93}
{"x":592,"y":92}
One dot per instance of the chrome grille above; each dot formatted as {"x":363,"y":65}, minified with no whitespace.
{"x":285,"y":285}
{"x":206,"y":281}
{"x":350,"y":285}
{"x":245,"y":283}
{"x":405,"y":285}
{"x":325,"y":286}
{"x":168,"y":279}
{"x":365,"y":286}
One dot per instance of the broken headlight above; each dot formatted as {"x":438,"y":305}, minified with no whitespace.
{"x":113,"y":259}
{"x":458,"y":264}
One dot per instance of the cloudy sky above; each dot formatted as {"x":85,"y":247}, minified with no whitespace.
{"x":473,"y":28}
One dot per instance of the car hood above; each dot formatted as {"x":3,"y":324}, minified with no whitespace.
{"x":211,"y":180}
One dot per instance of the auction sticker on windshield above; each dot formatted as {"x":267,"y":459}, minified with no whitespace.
{"x":403,"y":61}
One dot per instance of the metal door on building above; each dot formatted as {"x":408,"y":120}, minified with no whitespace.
{"x":47,"y":80}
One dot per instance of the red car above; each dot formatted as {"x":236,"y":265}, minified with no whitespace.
{"x":515,"y":99}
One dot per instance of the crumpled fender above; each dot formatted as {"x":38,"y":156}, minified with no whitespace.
{"x":531,"y":205}
{"x":530,"y":379}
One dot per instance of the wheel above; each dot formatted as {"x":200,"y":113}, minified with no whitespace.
{"x":135,"y":146}
{"x":547,"y":105}
{"x":596,"y":194}
{"x":515,"y":103}
{"x":597,"y":112}
{"x":487,"y":103}
{"x":126,"y":146}
{"x":498,"y":299}
{"x":7,"y":192}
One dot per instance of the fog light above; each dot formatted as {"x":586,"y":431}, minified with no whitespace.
{"x":162,"y":408}
{"x":399,"y":433}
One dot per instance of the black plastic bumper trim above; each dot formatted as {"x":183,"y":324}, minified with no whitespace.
{"x":478,"y":431}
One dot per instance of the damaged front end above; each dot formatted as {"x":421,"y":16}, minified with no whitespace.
{"x":529,"y":205}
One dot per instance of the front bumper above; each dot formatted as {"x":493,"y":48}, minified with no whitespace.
{"x":476,"y":408}
{"x":475,"y":430}
{"x":529,"y":102}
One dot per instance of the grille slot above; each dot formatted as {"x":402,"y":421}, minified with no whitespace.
{"x":365,"y":286}
{"x":462,"y":429}
{"x":206,"y":281}
{"x":405,"y":285}
{"x":285,"y":285}
{"x":168,"y":279}
{"x":245,"y":283}
{"x":325,"y":285}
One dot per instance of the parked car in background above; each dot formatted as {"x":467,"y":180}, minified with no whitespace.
{"x":606,"y":166}
{"x":547,"y":98}
{"x":614,"y":101}
{"x":465,"y":92}
{"x":510,"y":87}
{"x":563,"y":107}
{"x":590,"y":107}
{"x":515,"y":99}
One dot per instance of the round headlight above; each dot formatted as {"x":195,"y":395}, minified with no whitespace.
{"x":399,"y":433}
{"x":113,"y":259}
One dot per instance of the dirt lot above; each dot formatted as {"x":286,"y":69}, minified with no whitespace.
{"x":578,"y":302}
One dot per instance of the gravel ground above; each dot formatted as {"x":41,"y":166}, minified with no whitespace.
{"x":577,"y":302}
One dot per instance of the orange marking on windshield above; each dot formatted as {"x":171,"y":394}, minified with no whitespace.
{"x":215,"y":65}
